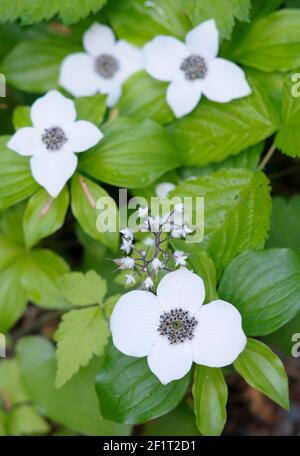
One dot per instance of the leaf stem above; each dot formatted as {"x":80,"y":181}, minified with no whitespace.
{"x":267,"y":157}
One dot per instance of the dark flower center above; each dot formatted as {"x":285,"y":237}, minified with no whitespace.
{"x":106,"y":66}
{"x":194,"y":67}
{"x":54,"y":138}
{"x":178,"y":325}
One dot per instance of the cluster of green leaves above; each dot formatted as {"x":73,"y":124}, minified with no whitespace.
{"x":212,"y":153}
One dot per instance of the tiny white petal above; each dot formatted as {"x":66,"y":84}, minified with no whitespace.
{"x":134,"y":323}
{"x":218,"y":337}
{"x":162,"y":190}
{"x":98,"y":39}
{"x":52,"y":170}
{"x":53,"y":109}
{"x":225,"y":81}
{"x":183,"y":96}
{"x":157,"y":264}
{"x":148,"y":283}
{"x":83,"y":135}
{"x":181,"y":289}
{"x":127,"y":233}
{"x":163,"y":57}
{"x":149,"y":241}
{"x":143,"y":212}
{"x":131,"y":59}
{"x":126,"y":245}
{"x":78,"y":75}
{"x":26,"y":141}
{"x":203,"y":40}
{"x":130,"y":279}
{"x":170,"y":362}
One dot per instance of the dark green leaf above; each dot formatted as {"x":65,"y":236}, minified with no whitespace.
{"x":130,"y":393}
{"x":265,"y":287}
{"x":91,"y":108}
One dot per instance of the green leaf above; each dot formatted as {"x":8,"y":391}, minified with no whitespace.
{"x":130,"y":393}
{"x":75,"y":404}
{"x":225,"y":13}
{"x":138,"y":21}
{"x":237,"y":211}
{"x":260,"y":9}
{"x":248,"y":159}
{"x":287,"y":139}
{"x":285,"y":338}
{"x":41,"y":269}
{"x":44,"y":215}
{"x":265,"y":287}
{"x":271,"y":43}
{"x":264,"y":371}
{"x":13,"y":297}
{"x":16,"y":182}
{"x":132,"y":154}
{"x":91,"y":108}
{"x":85,"y":194}
{"x":21,"y":419}
{"x":83,"y":289}
{"x":24,"y":420}
{"x":10,"y":251}
{"x":69,"y":11}
{"x":179,"y":422}
{"x":80,"y":335}
{"x":11,"y":387}
{"x":213,"y":131}
{"x":145,"y":98}
{"x":33,"y":66}
{"x":11,"y":223}
{"x":210,"y":398}
{"x":285,"y":226}
{"x":21,"y":117}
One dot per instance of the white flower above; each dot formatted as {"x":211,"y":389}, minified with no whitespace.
{"x":104,"y":66}
{"x":127,"y":234}
{"x":173,"y":329}
{"x":176,"y":233}
{"x":157,"y":264}
{"x":185,"y":231}
{"x":143,"y":212}
{"x":180,"y":258}
{"x":149,"y":241}
{"x":155,"y":224}
{"x":125,"y":263}
{"x":130,"y":279}
{"x":126,"y":245}
{"x":148,"y":283}
{"x":53,"y":140}
{"x":162,"y":190}
{"x":194,"y":69}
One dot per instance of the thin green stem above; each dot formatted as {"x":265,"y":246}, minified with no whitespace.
{"x":267,"y":157}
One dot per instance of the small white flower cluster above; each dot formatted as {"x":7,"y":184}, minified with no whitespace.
{"x":146,"y":263}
